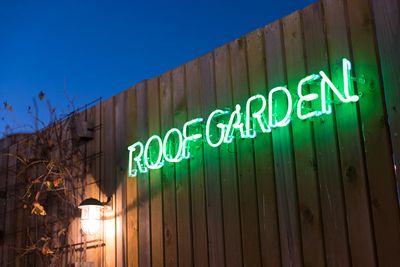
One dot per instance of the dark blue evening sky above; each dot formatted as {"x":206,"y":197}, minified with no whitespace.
{"x":99,"y":48}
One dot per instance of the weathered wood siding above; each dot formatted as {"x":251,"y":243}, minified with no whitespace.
{"x":320,"y":192}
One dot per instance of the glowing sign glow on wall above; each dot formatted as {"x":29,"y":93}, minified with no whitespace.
{"x":260,"y":115}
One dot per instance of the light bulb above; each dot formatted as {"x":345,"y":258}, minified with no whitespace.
{"x":90,"y":216}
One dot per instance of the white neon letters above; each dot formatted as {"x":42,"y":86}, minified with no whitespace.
{"x":138,"y":159}
{"x":189,"y":138}
{"x":167,"y":147}
{"x":271,"y":114}
{"x":258,"y":116}
{"x":158,"y":163}
{"x":254,"y":118}
{"x":235,"y":124}
{"x":220,"y":126}
{"x":303,"y":98}
{"x":346,"y":97}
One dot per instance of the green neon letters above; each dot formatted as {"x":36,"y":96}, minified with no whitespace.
{"x":167,"y":147}
{"x":190,"y":138}
{"x":138,"y":159}
{"x":220,"y":126}
{"x":274,"y":122}
{"x":235,"y":124}
{"x":158,"y":163}
{"x":258,"y":116}
{"x":306,"y":98}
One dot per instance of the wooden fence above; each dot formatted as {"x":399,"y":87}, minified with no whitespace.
{"x":320,"y":192}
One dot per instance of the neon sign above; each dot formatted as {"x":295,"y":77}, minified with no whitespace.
{"x":260,"y":115}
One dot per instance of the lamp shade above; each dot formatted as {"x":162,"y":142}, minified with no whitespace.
{"x":90,"y":215}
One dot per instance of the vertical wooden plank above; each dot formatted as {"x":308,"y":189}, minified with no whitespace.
{"x":131,"y":183}
{"x":10,"y":226}
{"x":143,"y":180}
{"x":108,"y":176}
{"x":387,"y":23}
{"x":351,"y":157}
{"x":156,"y":188}
{"x":304,"y":150}
{"x":245,"y":159}
{"x":199,"y":218}
{"x":21,"y":215}
{"x":182,"y":177}
{"x":121,"y":153}
{"x":377,"y":147}
{"x":98,"y":144}
{"x":326,"y":144}
{"x":64,"y":129}
{"x":170,"y":231}
{"x":77,"y":191}
{"x":263,"y":156}
{"x":3,"y":185}
{"x":229,"y":179}
{"x":35,"y":257}
{"x":211,"y":166}
{"x":62,"y":152}
{"x":3,"y":202}
{"x":89,"y":189}
{"x":288,"y":214}
{"x":92,"y":186}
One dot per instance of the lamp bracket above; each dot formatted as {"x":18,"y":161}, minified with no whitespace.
{"x":108,"y":203}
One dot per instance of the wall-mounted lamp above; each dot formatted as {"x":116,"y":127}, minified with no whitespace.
{"x":91,"y":214}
